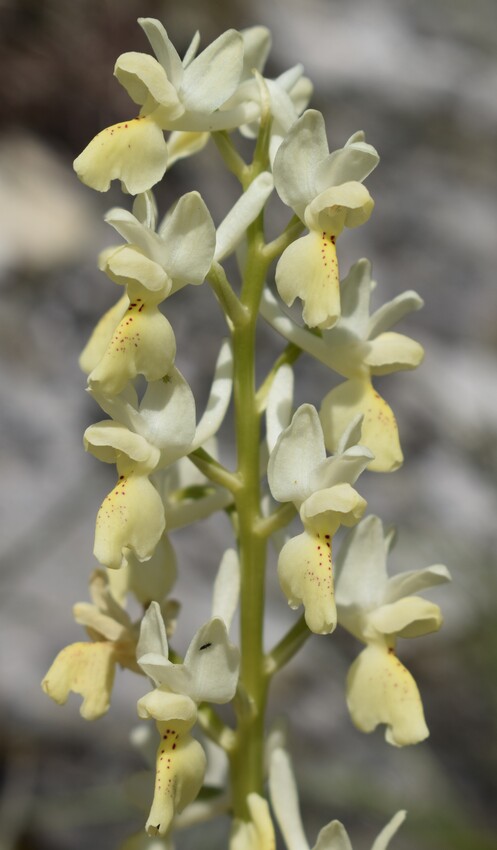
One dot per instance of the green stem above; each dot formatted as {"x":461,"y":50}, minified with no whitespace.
{"x":231,"y":305}
{"x":230,"y":155}
{"x":247,"y":759}
{"x":287,"y":647}
{"x":212,"y":726}
{"x":214,"y":470}
{"x":279,"y":519}
{"x":293,"y":229}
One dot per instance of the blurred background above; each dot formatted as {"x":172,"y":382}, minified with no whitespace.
{"x":420,"y":77}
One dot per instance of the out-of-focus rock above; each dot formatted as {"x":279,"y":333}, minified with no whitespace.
{"x":46,"y":220}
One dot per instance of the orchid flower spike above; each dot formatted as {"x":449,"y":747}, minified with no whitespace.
{"x":320,"y":488}
{"x":326,"y":192}
{"x":377,"y":610}
{"x":173,"y":94}
{"x":285,"y":803}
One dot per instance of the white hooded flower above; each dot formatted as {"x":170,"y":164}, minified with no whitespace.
{"x":320,"y":488}
{"x":134,"y":337}
{"x":141,"y":438}
{"x":209,"y":672}
{"x":88,"y":667}
{"x":173,"y":94}
{"x":326,"y":192}
{"x":359,"y":347}
{"x":378,"y":610}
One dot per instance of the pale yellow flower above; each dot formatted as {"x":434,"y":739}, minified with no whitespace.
{"x":378,"y":610}
{"x":326,"y":192}
{"x":320,"y":488}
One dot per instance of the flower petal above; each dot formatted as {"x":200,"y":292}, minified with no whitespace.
{"x":108,"y":441}
{"x":145,"y":209}
{"x":213,"y":664}
{"x":214,"y":75}
{"x":128,"y":266}
{"x":133,"y":152}
{"x":143,"y":343}
{"x":393,"y":352}
{"x":165,"y":404}
{"x":163,"y":48}
{"x":102,"y":335}
{"x":146,"y":82}
{"x":355,"y":293}
{"x":97,"y":622}
{"x":138,"y":233}
{"x":351,"y":163}
{"x":256,"y":47}
{"x":272,"y":312}
{"x":342,"y":468}
{"x":381,"y":690}
{"x":147,"y":580}
{"x":87,"y":669}
{"x":325,"y":510}
{"x":297,"y":159}
{"x":130,"y":517}
{"x":180,"y":769}
{"x":361,"y":566}
{"x":162,"y":705}
{"x":305,"y":575}
{"x":348,"y":205}
{"x":409,"y":617}
{"x":379,"y":428}
{"x":190,"y":237}
{"x":104,"y":599}
{"x":393,"y":311}
{"x":153,"y":637}
{"x":308,"y":269}
{"x":299,"y":449}
{"x":413,"y":581}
